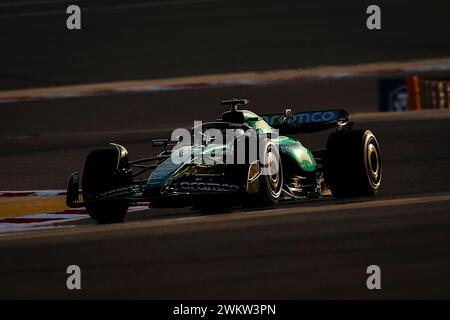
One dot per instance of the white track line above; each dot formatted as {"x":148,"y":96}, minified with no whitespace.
{"x":32,"y":193}
{"x":48,"y":220}
{"x":225,"y":80}
{"x":213,"y":222}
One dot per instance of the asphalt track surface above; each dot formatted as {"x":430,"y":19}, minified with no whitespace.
{"x":318,"y":249}
{"x":138,"y":39}
{"x":301,"y":250}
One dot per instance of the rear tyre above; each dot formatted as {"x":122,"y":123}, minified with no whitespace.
{"x":270,"y":180}
{"x":352,"y":166}
{"x":105,"y":170}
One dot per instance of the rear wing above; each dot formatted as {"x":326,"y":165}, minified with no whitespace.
{"x":308,"y":121}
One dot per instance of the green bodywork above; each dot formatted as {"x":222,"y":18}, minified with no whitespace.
{"x":288,"y":147}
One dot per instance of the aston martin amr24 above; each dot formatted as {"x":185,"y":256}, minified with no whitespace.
{"x":241,"y":159}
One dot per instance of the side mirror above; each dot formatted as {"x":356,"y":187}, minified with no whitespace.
{"x":288,"y":114}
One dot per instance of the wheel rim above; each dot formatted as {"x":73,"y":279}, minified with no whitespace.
{"x":373,"y":162}
{"x":273,"y":175}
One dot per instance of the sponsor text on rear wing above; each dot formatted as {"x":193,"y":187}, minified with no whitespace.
{"x":308,"y":121}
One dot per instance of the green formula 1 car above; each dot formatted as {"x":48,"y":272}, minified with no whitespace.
{"x":241,"y":159}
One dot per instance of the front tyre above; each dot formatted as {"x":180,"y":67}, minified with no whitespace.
{"x":353,"y":164}
{"x":104,"y":170}
{"x":270,"y":179}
